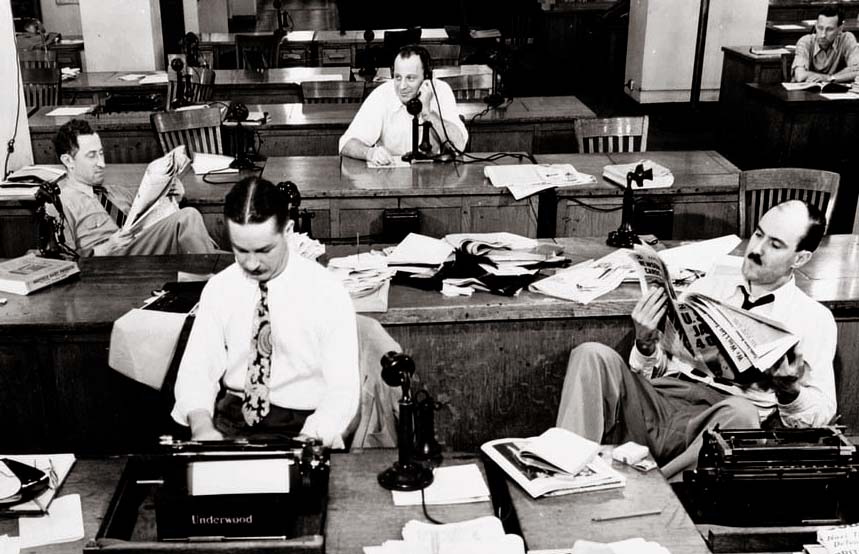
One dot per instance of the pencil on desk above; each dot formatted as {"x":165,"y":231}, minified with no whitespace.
{"x":628,"y":515}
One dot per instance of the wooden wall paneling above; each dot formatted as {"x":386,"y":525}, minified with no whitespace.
{"x":589,"y":217}
{"x":847,"y":368}
{"x":501,"y":138}
{"x":321,"y":222}
{"x":283,"y":142}
{"x":18,"y":229}
{"x":520,"y":395}
{"x":28,"y":404}
{"x":487,"y":214}
{"x":363,"y":216}
{"x":439,"y":215}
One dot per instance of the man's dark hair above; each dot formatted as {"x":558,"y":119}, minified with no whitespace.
{"x":410,"y":50}
{"x":255,"y":200}
{"x":66,"y":139}
{"x":816,"y":225}
{"x":832,"y":11}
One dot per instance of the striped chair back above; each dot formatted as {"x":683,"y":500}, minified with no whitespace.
{"x":199,"y":130}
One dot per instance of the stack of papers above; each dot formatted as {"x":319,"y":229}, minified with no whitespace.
{"x":419,"y":254}
{"x":588,"y":280}
{"x":662,"y":176}
{"x":498,"y":240}
{"x":525,"y":180}
{"x":366,"y":277}
{"x":484,"y":535}
{"x":212,"y":163}
{"x":451,"y":485}
{"x":628,"y":546}
{"x":67,"y":111}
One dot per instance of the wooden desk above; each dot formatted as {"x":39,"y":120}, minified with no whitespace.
{"x":215,"y":46}
{"x":537,"y":124}
{"x":558,"y":522}
{"x":360,"y":512}
{"x":702,"y":203}
{"x":497,"y":363}
{"x":335,"y":48}
{"x":781,"y":128}
{"x":92,"y":87}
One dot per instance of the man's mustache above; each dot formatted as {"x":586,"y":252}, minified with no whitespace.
{"x":755,"y":258}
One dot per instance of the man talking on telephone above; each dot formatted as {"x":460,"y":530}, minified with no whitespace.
{"x":382,"y":129}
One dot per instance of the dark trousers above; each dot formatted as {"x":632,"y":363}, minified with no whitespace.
{"x":279,"y":424}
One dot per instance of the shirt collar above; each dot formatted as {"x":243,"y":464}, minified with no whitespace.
{"x":395,"y":99}
{"x":832,"y":48}
{"x":780,"y":294}
{"x":83,"y":189}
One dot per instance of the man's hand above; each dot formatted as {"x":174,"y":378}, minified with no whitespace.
{"x":426,"y":96}
{"x":646,"y":317}
{"x":202,"y":427}
{"x":813,"y":77}
{"x":786,"y":375}
{"x":379,"y":156}
{"x":115,"y":243}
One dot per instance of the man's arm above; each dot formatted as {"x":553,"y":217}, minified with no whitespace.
{"x":339,"y":403}
{"x":354,"y":148}
{"x":802,"y":59}
{"x":851,"y":60}
{"x":647,"y":357}
{"x":365,"y":130}
{"x":203,"y":363}
{"x":452,"y":125}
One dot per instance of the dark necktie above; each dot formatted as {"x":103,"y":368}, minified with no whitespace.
{"x":117,"y":215}
{"x":748,"y":304}
{"x":256,"y":403}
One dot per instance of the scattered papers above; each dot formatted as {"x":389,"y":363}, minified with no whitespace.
{"x":588,"y":280}
{"x":300,"y":36}
{"x":396,"y":162}
{"x":366,"y":277}
{"x":66,"y":111}
{"x":662,"y":176}
{"x":208,"y":163}
{"x":524,"y":180}
{"x":499,"y":240}
{"x":450,"y":290}
{"x":419,"y":251}
{"x":483,"y":535}
{"x":64,"y":523}
{"x":451,"y":485}
{"x":154,"y":79}
{"x":9,"y":545}
{"x":305,"y":246}
{"x":840,"y":95}
{"x":131,"y":77}
{"x":61,"y":464}
{"x":698,"y":256}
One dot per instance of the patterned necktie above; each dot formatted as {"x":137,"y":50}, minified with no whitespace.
{"x":255,"y":405}
{"x":748,"y":304}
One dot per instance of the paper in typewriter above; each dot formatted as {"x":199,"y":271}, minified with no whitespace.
{"x":721,"y":340}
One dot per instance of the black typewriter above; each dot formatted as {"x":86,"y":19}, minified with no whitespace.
{"x":780,"y":479}
{"x":201,"y":494}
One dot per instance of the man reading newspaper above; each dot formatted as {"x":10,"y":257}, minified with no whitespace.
{"x":662,"y":400}
{"x":155,"y":225}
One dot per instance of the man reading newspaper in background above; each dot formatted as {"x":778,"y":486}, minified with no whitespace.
{"x":660,"y":401}
{"x":89,"y":229}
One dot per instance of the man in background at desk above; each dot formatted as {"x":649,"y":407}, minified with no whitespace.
{"x":34,"y":36}
{"x":382,"y":128}
{"x":827,"y":54}
{"x":660,"y":401}
{"x":277,"y":330}
{"x":89,"y":228}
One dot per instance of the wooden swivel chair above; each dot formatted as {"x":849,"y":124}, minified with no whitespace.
{"x":443,"y":54}
{"x":332,"y":92}
{"x":44,"y":59}
{"x":469,"y":87}
{"x":256,"y":52}
{"x":612,"y":134}
{"x":41,"y":86}
{"x":761,"y":189}
{"x":199,"y":130}
{"x":201,"y":86}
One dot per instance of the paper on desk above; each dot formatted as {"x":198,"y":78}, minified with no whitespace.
{"x":396,"y":162}
{"x":205,"y":163}
{"x":64,"y":523}
{"x":69,"y":111}
{"x":500,"y":239}
{"x":9,"y":545}
{"x":789,"y":27}
{"x":142,"y":344}
{"x":588,"y":280}
{"x":152,"y":79}
{"x":416,"y":250}
{"x":843,"y":539}
{"x":62,"y":464}
{"x":483,"y":535}
{"x":451,"y":485}
{"x":840,"y":95}
{"x":131,"y":77}
{"x":698,"y":256}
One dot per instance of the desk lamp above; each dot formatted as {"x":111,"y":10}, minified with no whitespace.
{"x":625,"y":236}
{"x":404,"y":474}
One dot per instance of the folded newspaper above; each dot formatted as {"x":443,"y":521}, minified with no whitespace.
{"x":159,"y":192}
{"x":721,"y":340}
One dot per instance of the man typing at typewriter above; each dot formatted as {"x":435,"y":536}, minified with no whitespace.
{"x":659,"y":401}
{"x":274,"y":350}
{"x":90,"y":230}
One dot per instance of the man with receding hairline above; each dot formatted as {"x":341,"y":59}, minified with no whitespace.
{"x":827,"y":54}
{"x":657,"y":400}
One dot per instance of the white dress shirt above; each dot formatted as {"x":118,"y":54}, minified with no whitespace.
{"x":383,"y":119}
{"x":804,"y":317}
{"x":314,"y":338}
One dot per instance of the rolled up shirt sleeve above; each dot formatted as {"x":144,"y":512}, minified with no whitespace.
{"x":366,"y":126}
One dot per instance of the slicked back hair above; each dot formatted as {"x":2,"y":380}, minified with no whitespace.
{"x":256,"y":200}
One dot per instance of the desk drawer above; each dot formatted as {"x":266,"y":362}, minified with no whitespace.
{"x":336,"y":56}
{"x":295,"y":56}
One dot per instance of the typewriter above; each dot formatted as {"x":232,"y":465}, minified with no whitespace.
{"x":780,"y":477}
{"x":270,"y":495}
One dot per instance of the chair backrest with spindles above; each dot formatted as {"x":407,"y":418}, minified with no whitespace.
{"x":199,"y":130}
{"x":612,"y":134}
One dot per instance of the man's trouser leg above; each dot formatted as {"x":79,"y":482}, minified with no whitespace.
{"x":180,"y":233}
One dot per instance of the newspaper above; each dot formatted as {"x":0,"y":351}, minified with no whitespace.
{"x":721,"y":340}
{"x":159,"y":191}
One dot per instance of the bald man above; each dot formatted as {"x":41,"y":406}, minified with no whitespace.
{"x":656,"y":399}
